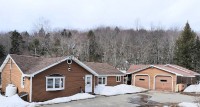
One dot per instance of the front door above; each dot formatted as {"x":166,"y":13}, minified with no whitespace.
{"x":88,"y":83}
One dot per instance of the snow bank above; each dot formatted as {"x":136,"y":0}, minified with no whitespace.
{"x":13,"y":101}
{"x":192,"y":88}
{"x":66,"y":99}
{"x":187,"y":104}
{"x":116,"y":90}
{"x":16,"y":101}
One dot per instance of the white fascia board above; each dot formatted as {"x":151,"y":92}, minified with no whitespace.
{"x":168,"y":71}
{"x":4,"y":62}
{"x":157,"y":68}
{"x":112,"y":75}
{"x":74,"y":59}
{"x":138,"y":70}
{"x":32,"y":75}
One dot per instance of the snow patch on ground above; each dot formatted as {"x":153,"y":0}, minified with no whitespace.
{"x":188,"y":104}
{"x":192,"y":88}
{"x":78,"y":96}
{"x":13,"y":101}
{"x":116,"y":90}
{"x":16,"y":101}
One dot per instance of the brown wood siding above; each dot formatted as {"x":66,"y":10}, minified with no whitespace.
{"x":111,"y":81}
{"x":152,"y":72}
{"x":74,"y":79}
{"x":15,"y":78}
{"x":142,"y":81}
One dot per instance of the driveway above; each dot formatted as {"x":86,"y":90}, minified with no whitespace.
{"x":151,"y":98}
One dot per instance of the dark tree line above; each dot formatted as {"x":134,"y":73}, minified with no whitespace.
{"x":118,"y":47}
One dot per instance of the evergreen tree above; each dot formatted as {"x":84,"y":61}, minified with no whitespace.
{"x":34,"y":46}
{"x":16,"y":43}
{"x":64,"y":33}
{"x":42,"y":32}
{"x":94,"y":55}
{"x":69,"y":35}
{"x":184,"y":48}
{"x":196,"y":55}
{"x":2,"y":51}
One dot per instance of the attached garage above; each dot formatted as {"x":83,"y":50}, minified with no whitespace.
{"x":163,"y":83}
{"x":142,"y":81}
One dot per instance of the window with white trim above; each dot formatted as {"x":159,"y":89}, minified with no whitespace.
{"x":102,"y":80}
{"x":118,"y":78}
{"x":55,"y":82}
{"x":22,"y":81}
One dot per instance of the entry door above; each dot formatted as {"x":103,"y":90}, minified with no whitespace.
{"x":88,"y":83}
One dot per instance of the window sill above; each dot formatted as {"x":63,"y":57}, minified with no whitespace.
{"x":57,"y":89}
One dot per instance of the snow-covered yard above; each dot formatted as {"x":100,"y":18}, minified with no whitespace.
{"x":116,"y":90}
{"x":16,"y":101}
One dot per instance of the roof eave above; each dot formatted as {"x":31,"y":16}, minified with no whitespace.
{"x":33,"y":74}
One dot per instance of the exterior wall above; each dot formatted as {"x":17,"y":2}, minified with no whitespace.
{"x":15,"y":78}
{"x":152,"y":72}
{"x":74,"y":79}
{"x":111,"y":81}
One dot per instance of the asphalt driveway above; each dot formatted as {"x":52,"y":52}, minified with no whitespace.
{"x":151,"y":98}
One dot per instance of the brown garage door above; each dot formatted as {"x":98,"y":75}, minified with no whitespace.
{"x":142,"y":81}
{"x":163,"y":83}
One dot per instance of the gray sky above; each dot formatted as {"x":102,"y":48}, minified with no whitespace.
{"x":86,"y":14}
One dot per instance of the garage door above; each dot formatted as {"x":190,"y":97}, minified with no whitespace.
{"x":142,"y":81}
{"x":163,"y":83}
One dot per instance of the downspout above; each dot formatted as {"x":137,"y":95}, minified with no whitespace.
{"x":10,"y":71}
{"x":30,"y":97}
{"x":94,"y":82}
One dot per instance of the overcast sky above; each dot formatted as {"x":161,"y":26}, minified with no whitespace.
{"x":86,"y":14}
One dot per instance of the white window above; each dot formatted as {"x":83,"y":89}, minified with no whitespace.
{"x":118,"y":78}
{"x":55,"y":82}
{"x":102,"y":80}
{"x":22,"y":81}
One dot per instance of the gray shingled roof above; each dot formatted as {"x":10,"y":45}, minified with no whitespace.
{"x":103,"y":68}
{"x":30,"y":64}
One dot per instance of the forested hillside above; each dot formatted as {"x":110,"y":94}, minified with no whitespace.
{"x":118,"y":47}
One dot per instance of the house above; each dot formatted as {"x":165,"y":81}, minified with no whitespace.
{"x":160,"y":77}
{"x":47,"y":78}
